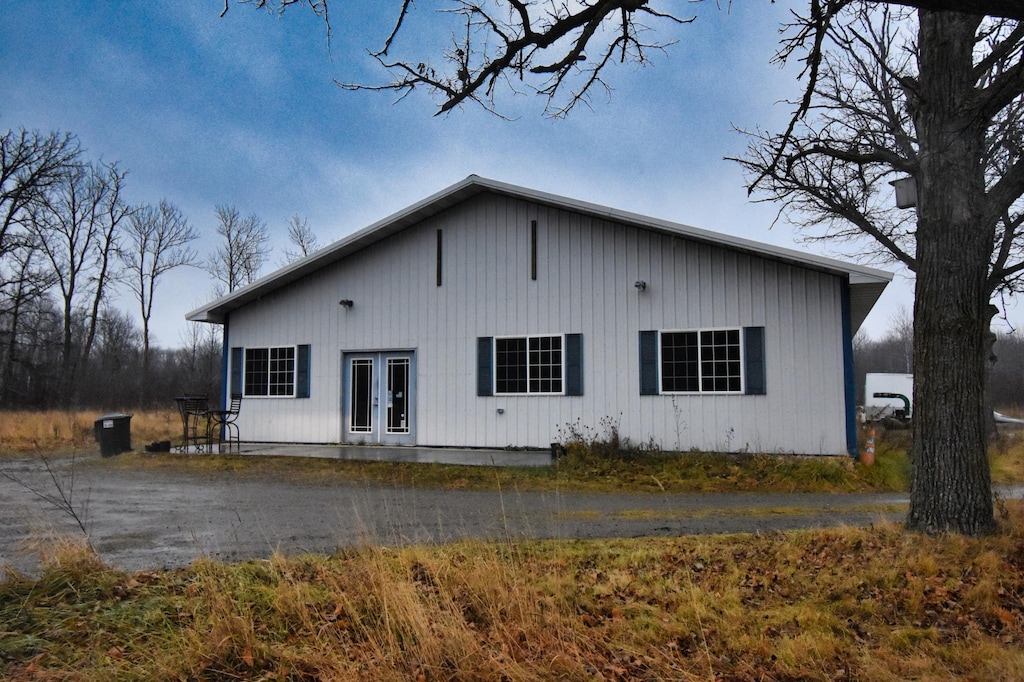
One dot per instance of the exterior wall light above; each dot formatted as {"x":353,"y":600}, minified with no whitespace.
{"x":640,"y":285}
{"x":345,"y":302}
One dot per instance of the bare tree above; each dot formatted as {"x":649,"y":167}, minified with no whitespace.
{"x":116,"y":361}
{"x":158,"y":240}
{"x":27,"y":287}
{"x":1006,"y":382}
{"x":1007,"y":9}
{"x":936,"y":98}
{"x":554,"y":47}
{"x":199,"y":358}
{"x":76,"y":224}
{"x":901,"y":337}
{"x":301,"y":237}
{"x":113,"y":209}
{"x":563,"y":47}
{"x":31,"y":163}
{"x":1006,"y":379}
{"x":244,"y":250}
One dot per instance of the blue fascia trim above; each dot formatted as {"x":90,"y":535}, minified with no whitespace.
{"x":849,"y":380}
{"x":225,"y":352}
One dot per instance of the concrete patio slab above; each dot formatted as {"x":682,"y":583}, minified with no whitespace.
{"x":384,"y":453}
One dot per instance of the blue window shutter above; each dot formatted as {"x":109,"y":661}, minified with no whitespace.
{"x":754,"y":370}
{"x":574,"y":364}
{"x":302,"y":372}
{"x":649,"y":363}
{"x":236,"y":370}
{"x":484,"y":366}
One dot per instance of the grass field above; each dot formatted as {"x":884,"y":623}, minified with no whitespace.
{"x":873,"y":603}
{"x":591,"y":465}
{"x":849,"y":604}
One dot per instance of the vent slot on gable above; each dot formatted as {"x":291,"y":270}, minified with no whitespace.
{"x":533,"y":250}
{"x":439,"y":244}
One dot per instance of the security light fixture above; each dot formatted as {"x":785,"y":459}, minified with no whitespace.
{"x":345,"y":302}
{"x":640,"y":285}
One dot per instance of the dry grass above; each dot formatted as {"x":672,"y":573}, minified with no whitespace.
{"x":591,"y":466}
{"x":57,"y":431}
{"x":870,"y":604}
{"x":1008,"y":456}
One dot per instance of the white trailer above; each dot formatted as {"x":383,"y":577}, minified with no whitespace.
{"x":880,"y":391}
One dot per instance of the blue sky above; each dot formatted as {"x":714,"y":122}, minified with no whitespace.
{"x":243,"y":110}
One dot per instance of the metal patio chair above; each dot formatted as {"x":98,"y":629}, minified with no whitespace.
{"x":224,"y":422}
{"x":195,"y":421}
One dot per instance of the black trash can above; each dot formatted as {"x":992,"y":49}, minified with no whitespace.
{"x":113,"y":433}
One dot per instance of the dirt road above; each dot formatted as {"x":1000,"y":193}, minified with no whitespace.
{"x":141,"y":519}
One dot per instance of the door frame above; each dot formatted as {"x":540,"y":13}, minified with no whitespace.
{"x":378,"y":432}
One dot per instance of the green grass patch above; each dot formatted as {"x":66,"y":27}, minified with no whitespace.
{"x":745,"y":512}
{"x":593,"y":462}
{"x":578,"y":471}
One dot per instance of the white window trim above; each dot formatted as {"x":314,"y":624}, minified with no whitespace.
{"x":494,"y":364}
{"x":700,"y":376}
{"x":295,"y":372}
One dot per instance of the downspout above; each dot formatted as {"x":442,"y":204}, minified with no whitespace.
{"x":849,"y":380}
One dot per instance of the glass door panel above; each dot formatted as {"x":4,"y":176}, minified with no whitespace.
{"x":378,"y":388}
{"x":361,"y":396}
{"x":398,"y":395}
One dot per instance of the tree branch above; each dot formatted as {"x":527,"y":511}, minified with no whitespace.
{"x":1006,"y":191}
{"x":493,"y":47}
{"x":999,"y":271}
{"x":1009,"y":9}
{"x":398,"y":25}
{"x":1001,"y":50}
{"x":814,"y":27}
{"x":1004,"y":88}
{"x":877,"y":155}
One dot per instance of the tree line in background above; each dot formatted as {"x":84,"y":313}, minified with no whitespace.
{"x":69,"y":242}
{"x":894,"y":353}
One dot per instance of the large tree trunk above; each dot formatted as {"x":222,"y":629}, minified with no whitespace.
{"x":951,"y":488}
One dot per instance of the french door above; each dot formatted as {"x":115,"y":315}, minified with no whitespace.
{"x":378,"y":398}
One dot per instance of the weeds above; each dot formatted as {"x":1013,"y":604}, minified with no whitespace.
{"x":647,"y":468}
{"x":596,"y":460}
{"x":603,"y":443}
{"x":873,"y":603}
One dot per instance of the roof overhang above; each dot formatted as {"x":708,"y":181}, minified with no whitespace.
{"x":866,"y":284}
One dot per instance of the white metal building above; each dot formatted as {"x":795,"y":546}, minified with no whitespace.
{"x":490,"y":315}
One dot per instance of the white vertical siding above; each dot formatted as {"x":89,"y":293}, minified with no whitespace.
{"x":586,"y":269}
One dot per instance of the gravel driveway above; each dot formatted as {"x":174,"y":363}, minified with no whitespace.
{"x":143,"y":519}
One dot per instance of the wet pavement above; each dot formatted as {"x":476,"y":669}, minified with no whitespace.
{"x":141,"y":519}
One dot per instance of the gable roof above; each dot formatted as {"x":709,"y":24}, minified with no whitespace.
{"x":866,"y":284}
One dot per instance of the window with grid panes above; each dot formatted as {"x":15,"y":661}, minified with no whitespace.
{"x":270,"y":371}
{"x":701,"y":361}
{"x":528,"y":364}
